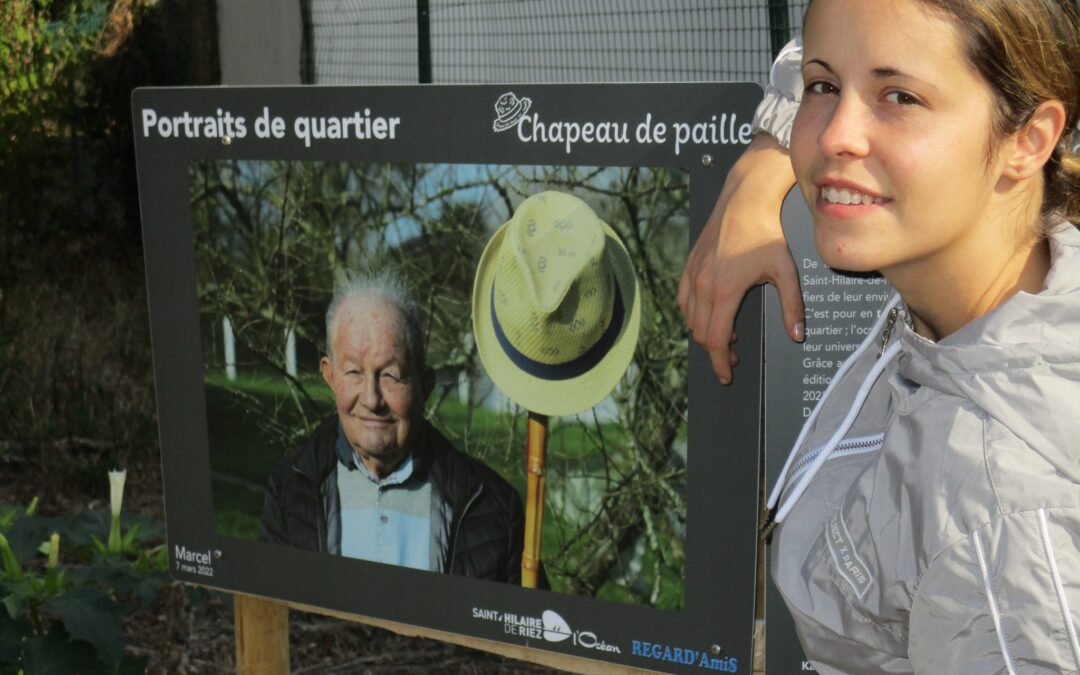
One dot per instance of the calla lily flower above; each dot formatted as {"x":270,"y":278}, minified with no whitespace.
{"x":116,"y":490}
{"x":116,"y":500}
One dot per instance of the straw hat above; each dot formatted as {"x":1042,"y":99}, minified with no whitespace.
{"x":556,"y":306}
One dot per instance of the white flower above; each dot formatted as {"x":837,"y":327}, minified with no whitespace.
{"x":116,"y":490}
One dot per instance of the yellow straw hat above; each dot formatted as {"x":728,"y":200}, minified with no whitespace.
{"x":556,"y":306}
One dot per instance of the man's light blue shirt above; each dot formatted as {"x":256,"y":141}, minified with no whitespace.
{"x":388,"y":520}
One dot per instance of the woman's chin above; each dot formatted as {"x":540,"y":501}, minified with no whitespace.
{"x":846,"y":256}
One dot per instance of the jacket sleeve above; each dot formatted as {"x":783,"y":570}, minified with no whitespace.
{"x":1004,"y":599}
{"x":515,"y":537}
{"x":273,"y":521}
{"x":776,"y":112}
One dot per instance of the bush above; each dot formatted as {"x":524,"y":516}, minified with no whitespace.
{"x":63,"y":617}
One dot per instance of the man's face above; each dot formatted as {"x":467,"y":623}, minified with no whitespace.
{"x":380,"y":394}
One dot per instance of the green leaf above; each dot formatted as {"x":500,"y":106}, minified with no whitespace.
{"x":8,"y":514}
{"x":155,"y":559}
{"x":121,"y":576}
{"x":13,"y":604}
{"x":99,"y":546}
{"x":12,"y":632}
{"x":147,"y":529}
{"x":130,"y":537}
{"x":94,"y":523}
{"x":149,"y":588}
{"x":26,"y":535}
{"x":98,"y":523}
{"x":54,"y":654}
{"x":89,"y":614}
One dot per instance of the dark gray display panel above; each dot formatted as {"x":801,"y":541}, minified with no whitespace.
{"x":239,"y":190}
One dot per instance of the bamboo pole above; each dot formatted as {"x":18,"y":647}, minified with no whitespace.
{"x":262,"y":636}
{"x":534,"y":501}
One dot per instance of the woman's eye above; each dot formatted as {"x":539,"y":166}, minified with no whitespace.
{"x":821,"y":87}
{"x":901,"y":98}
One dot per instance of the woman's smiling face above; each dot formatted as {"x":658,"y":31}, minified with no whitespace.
{"x":892,"y":142}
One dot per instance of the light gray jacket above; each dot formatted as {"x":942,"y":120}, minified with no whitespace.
{"x":942,"y":534}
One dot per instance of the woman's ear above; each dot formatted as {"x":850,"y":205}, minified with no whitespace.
{"x":1036,"y":140}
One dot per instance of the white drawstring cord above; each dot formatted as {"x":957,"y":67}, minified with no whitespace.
{"x":869,"y":340}
{"x":834,"y":440}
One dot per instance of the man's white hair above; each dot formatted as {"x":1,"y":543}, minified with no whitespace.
{"x":386,"y":287}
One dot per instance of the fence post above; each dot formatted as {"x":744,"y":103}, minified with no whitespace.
{"x":262,"y":636}
{"x":423,"y":40}
{"x":779,"y":27}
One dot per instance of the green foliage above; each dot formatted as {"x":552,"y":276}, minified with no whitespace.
{"x":43,"y":43}
{"x":64,"y":617}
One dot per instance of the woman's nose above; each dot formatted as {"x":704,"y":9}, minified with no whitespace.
{"x":845,"y":134}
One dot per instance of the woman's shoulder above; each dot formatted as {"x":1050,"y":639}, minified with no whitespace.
{"x":962,"y":469}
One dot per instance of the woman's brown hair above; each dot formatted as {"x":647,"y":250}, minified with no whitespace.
{"x":1028,"y":51}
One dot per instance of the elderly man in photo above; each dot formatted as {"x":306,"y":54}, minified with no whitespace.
{"x":376,"y":480}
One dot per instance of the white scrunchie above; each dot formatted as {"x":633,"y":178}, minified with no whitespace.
{"x":776,"y":112}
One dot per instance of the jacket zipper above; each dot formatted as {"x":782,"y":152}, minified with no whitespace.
{"x":887,"y":332}
{"x":457,"y":527}
{"x":853,"y":446}
{"x":847,"y":448}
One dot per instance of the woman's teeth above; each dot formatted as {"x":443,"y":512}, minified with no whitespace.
{"x":846,"y":196}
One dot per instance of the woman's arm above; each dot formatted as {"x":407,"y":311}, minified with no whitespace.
{"x":743,"y":244}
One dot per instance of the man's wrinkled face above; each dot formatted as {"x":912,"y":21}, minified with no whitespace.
{"x":379,"y":392}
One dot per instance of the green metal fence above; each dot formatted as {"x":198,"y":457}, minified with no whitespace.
{"x":483,"y":41}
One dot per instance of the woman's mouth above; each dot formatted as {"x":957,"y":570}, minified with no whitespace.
{"x":848,"y":196}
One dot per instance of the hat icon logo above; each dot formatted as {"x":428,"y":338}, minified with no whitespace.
{"x":509,"y":109}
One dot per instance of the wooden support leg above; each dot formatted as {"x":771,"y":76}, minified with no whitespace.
{"x":262,"y":636}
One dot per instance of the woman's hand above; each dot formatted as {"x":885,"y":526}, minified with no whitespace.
{"x":742,"y":246}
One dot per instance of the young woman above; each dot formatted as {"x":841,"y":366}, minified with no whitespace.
{"x":944,"y":535}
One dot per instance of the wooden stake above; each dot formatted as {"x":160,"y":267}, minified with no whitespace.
{"x":534,"y":500}
{"x":262,"y":636}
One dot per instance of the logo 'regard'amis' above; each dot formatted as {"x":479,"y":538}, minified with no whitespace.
{"x":509,"y":109}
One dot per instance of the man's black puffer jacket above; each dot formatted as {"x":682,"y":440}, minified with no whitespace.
{"x":487,"y":523}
